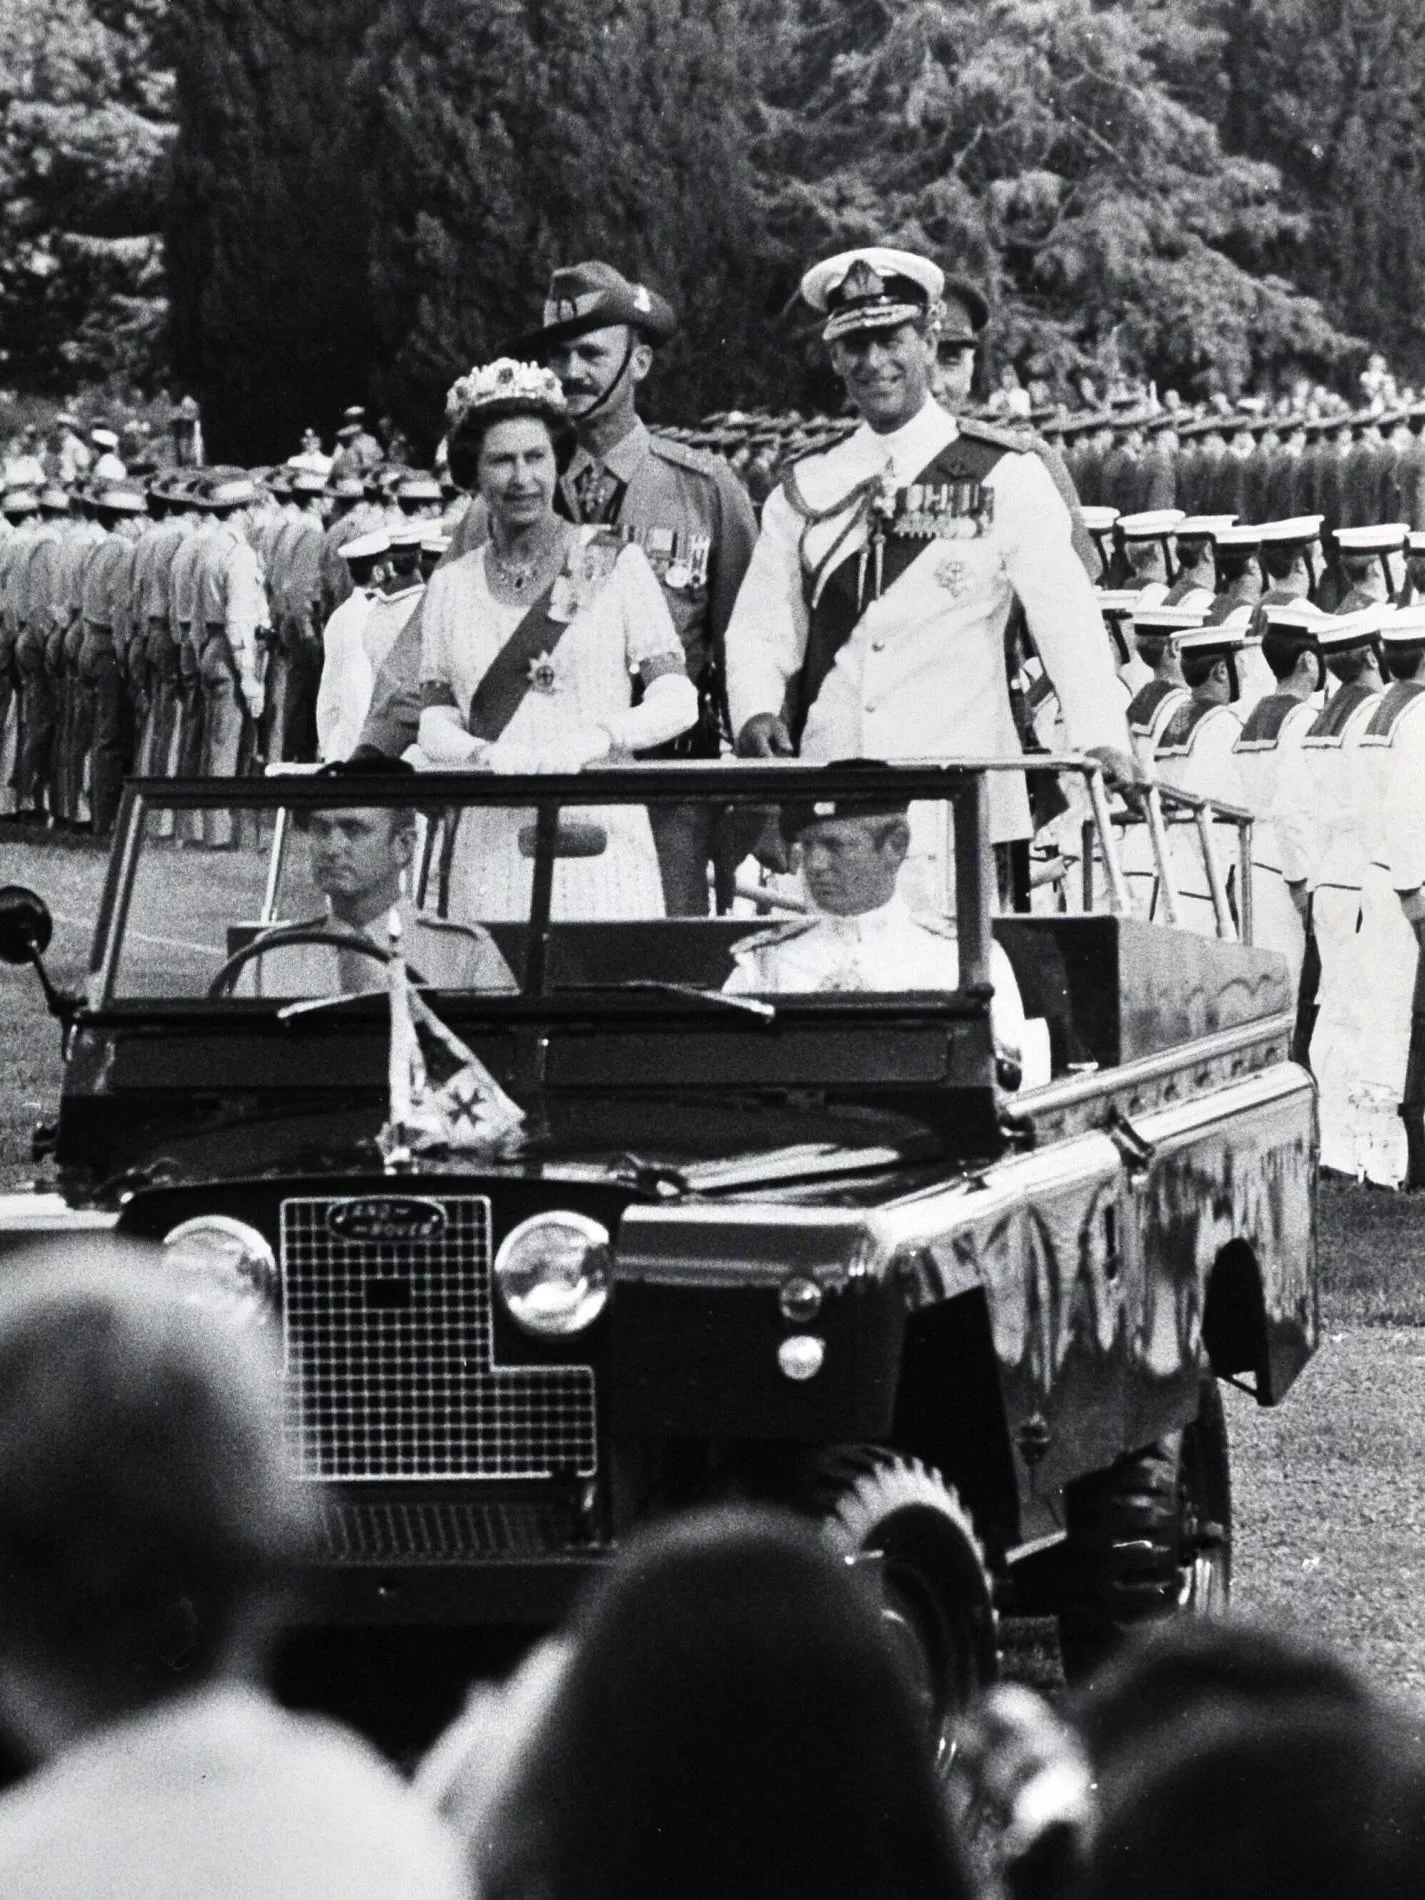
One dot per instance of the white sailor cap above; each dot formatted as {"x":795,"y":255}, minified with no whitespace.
{"x":1241,"y":535}
{"x":435,"y":543}
{"x":1340,"y":632}
{"x":1291,"y":616}
{"x":1223,"y":639}
{"x":1415,"y":541}
{"x":1298,"y":529}
{"x":405,"y":535}
{"x":1386,"y":537}
{"x":367,"y":547}
{"x":1182,"y":617}
{"x":1203,"y":527}
{"x":1405,"y":627}
{"x":104,"y":438}
{"x":1150,"y":525}
{"x":1118,"y":600}
{"x":1099,"y":520}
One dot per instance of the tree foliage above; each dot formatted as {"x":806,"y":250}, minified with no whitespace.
{"x":1334,"y":96}
{"x":1062,"y":153}
{"x":267,"y":219}
{"x":507,"y":137}
{"x":86,"y":102}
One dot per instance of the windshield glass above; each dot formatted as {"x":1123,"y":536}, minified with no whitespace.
{"x":304,"y":895}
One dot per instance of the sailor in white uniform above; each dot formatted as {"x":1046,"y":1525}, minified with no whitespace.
{"x":1193,"y":546}
{"x":1147,"y":542}
{"x":1372,"y":559}
{"x":1388,"y":774}
{"x":1323,"y":853}
{"x":1272,"y":731}
{"x":862,"y":935}
{"x":1196,"y":754}
{"x":871,"y":619}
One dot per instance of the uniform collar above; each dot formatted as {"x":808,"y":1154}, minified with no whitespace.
{"x":379,"y":599}
{"x":866,"y":924}
{"x":917,"y":442}
{"x":623,"y":459}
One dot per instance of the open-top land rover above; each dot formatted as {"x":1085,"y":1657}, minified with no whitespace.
{"x":666,"y":1240}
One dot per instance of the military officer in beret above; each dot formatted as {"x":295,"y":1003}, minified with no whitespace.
{"x":872,"y":619}
{"x":684,"y":507}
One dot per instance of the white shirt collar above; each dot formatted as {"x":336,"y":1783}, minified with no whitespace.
{"x":866,"y":923}
{"x":913,"y":444}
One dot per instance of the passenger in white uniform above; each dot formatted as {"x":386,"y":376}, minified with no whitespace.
{"x":1195,"y":754}
{"x":1275,"y":729}
{"x":1388,"y":771}
{"x":1324,"y":858}
{"x":863,"y":935}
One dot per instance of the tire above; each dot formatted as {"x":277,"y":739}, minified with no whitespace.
{"x":895,"y":1515}
{"x":1149,"y":1539}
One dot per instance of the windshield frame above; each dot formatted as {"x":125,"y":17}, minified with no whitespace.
{"x":961,"y":784}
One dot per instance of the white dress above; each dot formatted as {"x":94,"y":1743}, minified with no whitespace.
{"x":617,"y":625}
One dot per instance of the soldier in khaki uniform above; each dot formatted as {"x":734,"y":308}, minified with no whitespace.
{"x":103,"y":732}
{"x":230,"y":609}
{"x":33,"y":681}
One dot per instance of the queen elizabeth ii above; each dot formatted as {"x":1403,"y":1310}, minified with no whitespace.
{"x":530,"y":647}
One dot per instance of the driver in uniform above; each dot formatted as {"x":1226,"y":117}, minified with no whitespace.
{"x":862,"y":934}
{"x":358,"y":858}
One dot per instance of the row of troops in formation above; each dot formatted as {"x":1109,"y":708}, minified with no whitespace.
{"x":174,"y":626}
{"x":920,"y":584}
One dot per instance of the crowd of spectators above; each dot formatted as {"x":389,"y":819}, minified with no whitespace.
{"x":722,"y":1716}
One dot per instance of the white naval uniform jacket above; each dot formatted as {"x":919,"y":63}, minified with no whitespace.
{"x":923,"y":673}
{"x":888,"y":949}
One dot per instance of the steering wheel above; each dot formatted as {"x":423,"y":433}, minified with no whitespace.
{"x":222,"y":983}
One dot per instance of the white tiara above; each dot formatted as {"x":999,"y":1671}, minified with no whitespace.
{"x":504,"y":380}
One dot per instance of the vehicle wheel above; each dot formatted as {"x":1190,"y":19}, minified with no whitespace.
{"x":1148,"y":1539}
{"x":898,"y":1520}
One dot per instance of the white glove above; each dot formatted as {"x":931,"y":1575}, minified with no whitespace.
{"x":570,"y":754}
{"x":444,"y":741}
{"x":670,"y":706}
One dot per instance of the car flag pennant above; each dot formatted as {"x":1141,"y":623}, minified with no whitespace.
{"x":441,"y":1094}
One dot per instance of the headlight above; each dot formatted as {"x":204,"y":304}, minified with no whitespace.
{"x":553,"y":1272}
{"x":234,"y":1269}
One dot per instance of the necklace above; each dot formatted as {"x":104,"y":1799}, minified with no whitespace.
{"x":517,"y":575}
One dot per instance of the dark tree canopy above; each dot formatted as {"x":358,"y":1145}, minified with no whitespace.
{"x":366,"y":196}
{"x":504,"y":140}
{"x":267,"y":220}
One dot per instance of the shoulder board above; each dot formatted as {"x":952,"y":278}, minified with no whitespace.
{"x":780,"y":933}
{"x":1018,"y":441}
{"x":429,"y":921}
{"x":700,"y":461}
{"x":1264,"y":725}
{"x":1178,"y":733}
{"x":1331,"y":722}
{"x":1395,"y":703}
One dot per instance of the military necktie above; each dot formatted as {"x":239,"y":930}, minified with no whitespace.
{"x":598,"y":494}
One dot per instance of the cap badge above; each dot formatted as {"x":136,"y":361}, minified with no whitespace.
{"x":862,"y":280}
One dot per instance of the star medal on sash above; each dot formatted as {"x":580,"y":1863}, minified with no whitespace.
{"x":953,"y":576}
{"x":542,"y":676}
